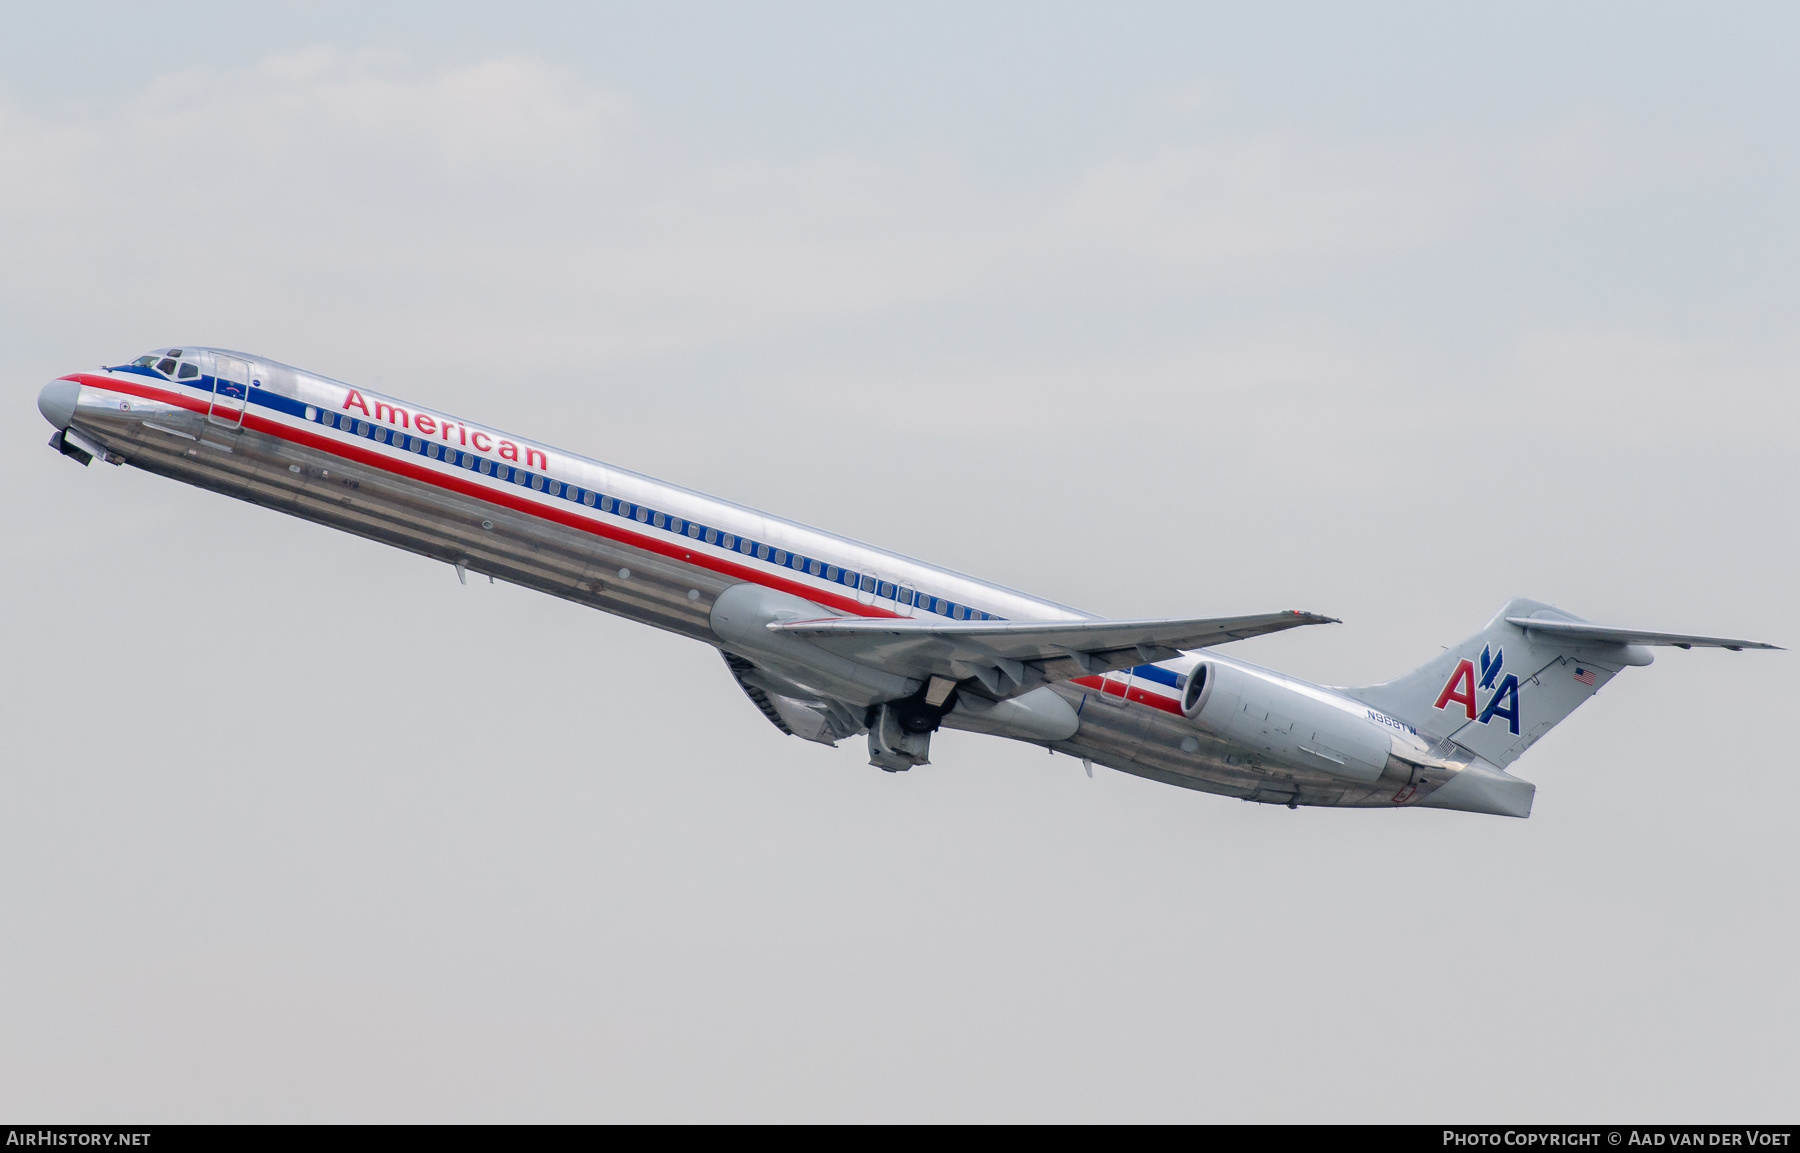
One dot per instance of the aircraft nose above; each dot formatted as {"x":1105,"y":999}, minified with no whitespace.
{"x":57,"y":402}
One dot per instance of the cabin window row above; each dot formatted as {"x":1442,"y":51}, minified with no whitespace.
{"x":475,"y":462}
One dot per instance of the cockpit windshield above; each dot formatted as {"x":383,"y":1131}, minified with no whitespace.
{"x":166,"y":362}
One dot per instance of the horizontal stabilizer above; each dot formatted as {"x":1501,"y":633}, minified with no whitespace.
{"x":1013,"y":657}
{"x":1600,"y":634}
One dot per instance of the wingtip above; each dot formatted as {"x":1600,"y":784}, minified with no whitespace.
{"x":1315,"y":618}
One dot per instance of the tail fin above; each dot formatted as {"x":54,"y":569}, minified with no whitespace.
{"x":1496,"y":693}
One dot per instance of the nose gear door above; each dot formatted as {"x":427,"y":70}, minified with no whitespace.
{"x":231,"y":391}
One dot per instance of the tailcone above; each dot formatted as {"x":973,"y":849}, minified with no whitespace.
{"x":1482,"y":788}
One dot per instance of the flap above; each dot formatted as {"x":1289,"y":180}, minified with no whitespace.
{"x":1012,"y":657}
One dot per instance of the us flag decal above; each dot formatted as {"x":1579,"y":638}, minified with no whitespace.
{"x":1585,"y":676}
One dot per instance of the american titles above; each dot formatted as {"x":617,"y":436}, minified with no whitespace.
{"x":425,"y":424}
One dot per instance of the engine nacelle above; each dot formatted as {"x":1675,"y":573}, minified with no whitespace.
{"x":1283,"y":722}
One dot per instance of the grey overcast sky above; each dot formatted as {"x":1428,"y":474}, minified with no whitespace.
{"x":1386,"y":311}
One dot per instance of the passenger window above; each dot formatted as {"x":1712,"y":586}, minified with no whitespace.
{"x":831,"y":572}
{"x":486,"y":467}
{"x":188,"y":372}
{"x":588,"y":499}
{"x":812,"y":566}
{"x":868,"y":584}
{"x":693,"y":530}
{"x":780,"y":557}
{"x":728,"y":540}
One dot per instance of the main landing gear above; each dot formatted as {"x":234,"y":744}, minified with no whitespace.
{"x":900,"y":731}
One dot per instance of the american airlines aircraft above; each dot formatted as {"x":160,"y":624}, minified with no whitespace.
{"x":831,"y":638}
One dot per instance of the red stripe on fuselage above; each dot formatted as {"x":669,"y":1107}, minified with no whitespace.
{"x":601,"y":529}
{"x":1117,"y":689}
{"x":408,"y":469}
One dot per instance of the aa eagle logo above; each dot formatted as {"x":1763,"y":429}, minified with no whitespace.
{"x":1461,"y":689}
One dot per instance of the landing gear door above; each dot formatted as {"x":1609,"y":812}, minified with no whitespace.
{"x":231,"y":390}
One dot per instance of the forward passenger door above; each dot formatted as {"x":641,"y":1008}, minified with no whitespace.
{"x":231,"y":390}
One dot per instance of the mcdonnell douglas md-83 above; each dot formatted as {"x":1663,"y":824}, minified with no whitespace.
{"x":832,"y":639}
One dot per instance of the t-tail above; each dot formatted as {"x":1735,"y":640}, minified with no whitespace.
{"x":1495,"y":694}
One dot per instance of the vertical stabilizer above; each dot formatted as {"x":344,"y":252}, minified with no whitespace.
{"x":1496,"y":693}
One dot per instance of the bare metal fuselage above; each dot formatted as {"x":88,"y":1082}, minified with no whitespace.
{"x":609,"y":539}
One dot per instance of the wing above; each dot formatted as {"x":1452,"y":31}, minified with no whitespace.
{"x":1582,"y":631}
{"x":792,"y":709}
{"x":1012,"y":657}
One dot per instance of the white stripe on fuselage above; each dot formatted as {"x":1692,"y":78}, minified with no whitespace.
{"x":342,"y":399}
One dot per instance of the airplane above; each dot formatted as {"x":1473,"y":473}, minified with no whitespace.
{"x":830,"y":638}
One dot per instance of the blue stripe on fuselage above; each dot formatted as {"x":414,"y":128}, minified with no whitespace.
{"x":1158,"y":674}
{"x":262,"y":398}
